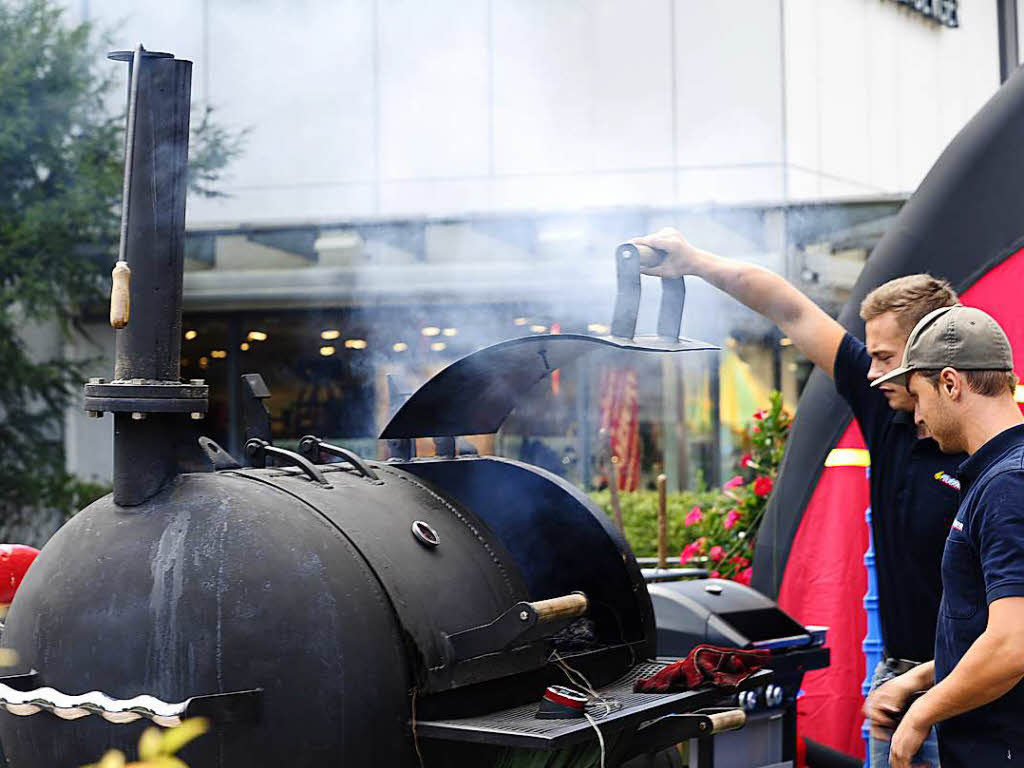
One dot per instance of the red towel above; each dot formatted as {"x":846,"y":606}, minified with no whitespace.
{"x":723,"y":668}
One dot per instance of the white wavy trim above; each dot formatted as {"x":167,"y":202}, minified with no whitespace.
{"x":93,"y":703}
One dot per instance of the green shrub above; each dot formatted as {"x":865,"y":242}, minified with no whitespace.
{"x":713,"y":528}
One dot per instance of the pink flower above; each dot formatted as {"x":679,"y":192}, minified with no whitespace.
{"x":755,"y":430}
{"x":744,"y":576}
{"x":689,"y":552}
{"x":716,"y":553}
{"x":744,"y":461}
{"x":763,"y":485}
{"x":694,"y":516}
{"x":714,"y":575}
{"x":731,"y":518}
{"x":739,"y":560}
{"x":732,"y":482}
{"x":759,"y":415}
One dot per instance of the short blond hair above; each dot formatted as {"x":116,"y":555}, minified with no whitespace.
{"x":910,"y":298}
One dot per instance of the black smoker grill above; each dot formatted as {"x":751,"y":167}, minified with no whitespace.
{"x":319,"y":608}
{"x":726,"y":613}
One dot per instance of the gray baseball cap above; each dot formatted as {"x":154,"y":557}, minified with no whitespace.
{"x":964,"y":338}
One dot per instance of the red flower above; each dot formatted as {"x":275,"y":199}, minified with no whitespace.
{"x":689,"y":552}
{"x":694,"y":517}
{"x":763,"y":485}
{"x":731,"y":518}
{"x":756,"y":430}
{"x":744,"y":576}
{"x":732,"y":482}
{"x":714,"y":575}
{"x":693,"y":549}
{"x":716,"y":553}
{"x":739,"y":560}
{"x":744,"y":461}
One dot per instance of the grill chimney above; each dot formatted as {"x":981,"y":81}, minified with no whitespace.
{"x":147,"y":397}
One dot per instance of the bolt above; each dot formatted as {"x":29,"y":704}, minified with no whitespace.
{"x":702,"y":726}
{"x":523,"y":615}
{"x":97,"y":380}
{"x":94,"y":414}
{"x":197,"y":382}
{"x":137,"y":416}
{"x":197,"y":416}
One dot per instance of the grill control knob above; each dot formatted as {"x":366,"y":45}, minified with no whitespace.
{"x":773,"y":695}
{"x":747,"y":701}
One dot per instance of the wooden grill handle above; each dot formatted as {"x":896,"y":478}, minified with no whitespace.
{"x":120,"y":294}
{"x":565,"y":607}
{"x":727,"y":721}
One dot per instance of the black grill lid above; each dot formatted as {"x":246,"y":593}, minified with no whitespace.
{"x":474,"y":395}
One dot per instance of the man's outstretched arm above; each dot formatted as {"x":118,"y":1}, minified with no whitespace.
{"x":812,"y":331}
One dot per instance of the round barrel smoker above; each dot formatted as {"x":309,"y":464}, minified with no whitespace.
{"x":323,"y":612}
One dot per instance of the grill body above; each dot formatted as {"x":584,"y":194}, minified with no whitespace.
{"x":321,"y":597}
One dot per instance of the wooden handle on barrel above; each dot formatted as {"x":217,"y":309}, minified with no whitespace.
{"x":120,"y":295}
{"x":564,"y":607}
{"x":727,"y":721}
{"x":662,"y":522}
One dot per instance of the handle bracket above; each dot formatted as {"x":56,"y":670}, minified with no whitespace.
{"x":311,"y":446}
{"x":520,"y":624}
{"x":630,"y":259}
{"x":257,"y":450}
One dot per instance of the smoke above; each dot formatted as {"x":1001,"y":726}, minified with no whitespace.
{"x":469,"y":168}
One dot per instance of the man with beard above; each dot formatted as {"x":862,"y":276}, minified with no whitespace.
{"x":913,"y":485}
{"x":958,"y":368}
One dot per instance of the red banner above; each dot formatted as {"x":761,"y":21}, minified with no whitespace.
{"x":620,"y":418}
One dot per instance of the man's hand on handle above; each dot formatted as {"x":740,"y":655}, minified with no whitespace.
{"x":681,"y":258}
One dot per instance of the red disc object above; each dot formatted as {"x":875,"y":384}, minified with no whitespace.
{"x":566,"y":697}
{"x":14,"y":562}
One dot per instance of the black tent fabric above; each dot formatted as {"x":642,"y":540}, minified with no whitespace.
{"x":966,"y":217}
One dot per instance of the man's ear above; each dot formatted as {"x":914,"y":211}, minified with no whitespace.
{"x":951,"y":383}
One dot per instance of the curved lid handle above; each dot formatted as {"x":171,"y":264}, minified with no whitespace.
{"x":629,"y":260}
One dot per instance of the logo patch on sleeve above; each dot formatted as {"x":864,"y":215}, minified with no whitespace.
{"x":947,"y":479}
{"x":957,"y":525}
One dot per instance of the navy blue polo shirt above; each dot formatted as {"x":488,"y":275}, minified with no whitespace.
{"x":914,"y":496}
{"x":983,"y":562}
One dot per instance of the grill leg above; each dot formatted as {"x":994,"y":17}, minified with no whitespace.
{"x":702,"y":752}
{"x":789,"y":734}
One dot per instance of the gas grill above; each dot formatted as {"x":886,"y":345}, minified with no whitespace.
{"x":726,"y":613}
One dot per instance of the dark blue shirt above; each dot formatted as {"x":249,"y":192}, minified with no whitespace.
{"x":983,"y":562}
{"x":914,"y":495}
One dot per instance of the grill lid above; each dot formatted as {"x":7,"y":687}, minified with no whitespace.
{"x":474,"y":395}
